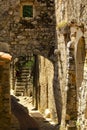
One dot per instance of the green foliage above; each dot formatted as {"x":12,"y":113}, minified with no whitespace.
{"x":30,"y":63}
{"x":61,"y":24}
{"x":78,"y":124}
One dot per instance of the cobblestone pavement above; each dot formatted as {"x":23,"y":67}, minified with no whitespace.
{"x":28,"y":117}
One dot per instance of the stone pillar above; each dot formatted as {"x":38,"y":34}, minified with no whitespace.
{"x":71,"y":104}
{"x":5,"y":111}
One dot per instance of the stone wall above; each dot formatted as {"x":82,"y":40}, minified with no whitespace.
{"x":46,"y":76}
{"x":81,"y":82}
{"x":5,"y":111}
{"x":36,"y":34}
{"x":71,"y":27}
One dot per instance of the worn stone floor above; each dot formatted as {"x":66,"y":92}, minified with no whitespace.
{"x":26,"y":122}
{"x":29,"y":119}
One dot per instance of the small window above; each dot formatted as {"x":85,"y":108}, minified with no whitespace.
{"x":27,"y":11}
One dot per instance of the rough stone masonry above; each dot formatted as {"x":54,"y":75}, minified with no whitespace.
{"x":48,"y":33}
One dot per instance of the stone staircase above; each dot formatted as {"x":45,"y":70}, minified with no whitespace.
{"x":23,"y":86}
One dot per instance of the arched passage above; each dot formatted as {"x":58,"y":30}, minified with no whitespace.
{"x":43,"y":85}
{"x":81,"y":81}
{"x":80,"y":58}
{"x":22,"y":72}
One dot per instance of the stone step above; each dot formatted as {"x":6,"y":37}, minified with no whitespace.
{"x":28,"y":71}
{"x":19,"y":93}
{"x":20,"y":90}
{"x":24,"y":75}
{"x":20,"y":87}
{"x":23,"y":87}
{"x":23,"y":83}
{"x":23,"y":80}
{"x":25,"y":70}
{"x":20,"y":83}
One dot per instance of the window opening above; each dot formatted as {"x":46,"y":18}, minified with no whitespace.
{"x":27,"y":11}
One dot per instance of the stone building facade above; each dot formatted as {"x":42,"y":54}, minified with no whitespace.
{"x":34,"y":33}
{"x":56,"y":33}
{"x":71,"y":28}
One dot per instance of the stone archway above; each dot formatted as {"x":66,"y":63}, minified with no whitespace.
{"x":75,"y":74}
{"x":43,"y":86}
{"x":81,"y":82}
{"x":80,"y":57}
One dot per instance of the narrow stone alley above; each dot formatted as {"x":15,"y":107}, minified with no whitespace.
{"x":26,"y":122}
{"x":29,"y":118}
{"x":43,"y":60}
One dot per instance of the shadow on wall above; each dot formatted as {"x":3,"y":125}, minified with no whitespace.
{"x":36,"y":122}
{"x":21,"y":113}
{"x":80,"y":58}
{"x":57,"y":93}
